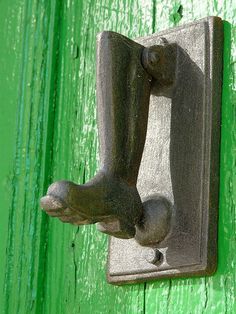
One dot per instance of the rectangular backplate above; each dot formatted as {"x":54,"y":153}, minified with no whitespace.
{"x":181,"y":160}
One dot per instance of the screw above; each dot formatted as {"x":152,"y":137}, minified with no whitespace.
{"x":154,"y":256}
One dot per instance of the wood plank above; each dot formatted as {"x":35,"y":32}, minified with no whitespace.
{"x":27,"y":100}
{"x":10,"y":58}
{"x":213,"y":294}
{"x":76,"y":280}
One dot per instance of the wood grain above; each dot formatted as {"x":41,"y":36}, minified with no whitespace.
{"x":48,"y":132}
{"x":27,"y":58}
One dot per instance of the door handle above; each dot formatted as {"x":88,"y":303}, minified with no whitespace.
{"x":127,"y":73}
{"x":156,"y":193}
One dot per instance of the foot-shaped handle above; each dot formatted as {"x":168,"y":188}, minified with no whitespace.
{"x":126,"y":72}
{"x":110,"y":201}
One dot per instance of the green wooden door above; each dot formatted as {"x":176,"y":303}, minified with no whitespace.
{"x":48,"y":132}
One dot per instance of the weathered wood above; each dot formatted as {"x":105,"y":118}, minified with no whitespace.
{"x":10,"y":60}
{"x":47,"y":94}
{"x":27,"y":88}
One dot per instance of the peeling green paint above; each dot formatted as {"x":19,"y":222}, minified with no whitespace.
{"x":176,"y":13}
{"x":48,"y":132}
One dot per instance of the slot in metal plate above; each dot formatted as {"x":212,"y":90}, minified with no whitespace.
{"x":181,"y":160}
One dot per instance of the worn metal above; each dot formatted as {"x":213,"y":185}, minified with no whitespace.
{"x":173,"y":209}
{"x":123,"y":93}
{"x":155,"y":223}
{"x":181,"y":161}
{"x":154,"y":256}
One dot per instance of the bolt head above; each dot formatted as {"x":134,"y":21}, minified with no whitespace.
{"x":154,"y":256}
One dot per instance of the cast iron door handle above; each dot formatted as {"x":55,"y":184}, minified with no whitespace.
{"x":127,"y":73}
{"x":156,"y":191}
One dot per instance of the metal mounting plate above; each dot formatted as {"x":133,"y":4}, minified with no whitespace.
{"x":181,"y":160}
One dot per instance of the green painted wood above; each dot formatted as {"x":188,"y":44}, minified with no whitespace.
{"x":48,"y":132}
{"x":27,"y":62}
{"x":10,"y":58}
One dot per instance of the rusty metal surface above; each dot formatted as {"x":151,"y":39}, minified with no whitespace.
{"x":181,"y":161}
